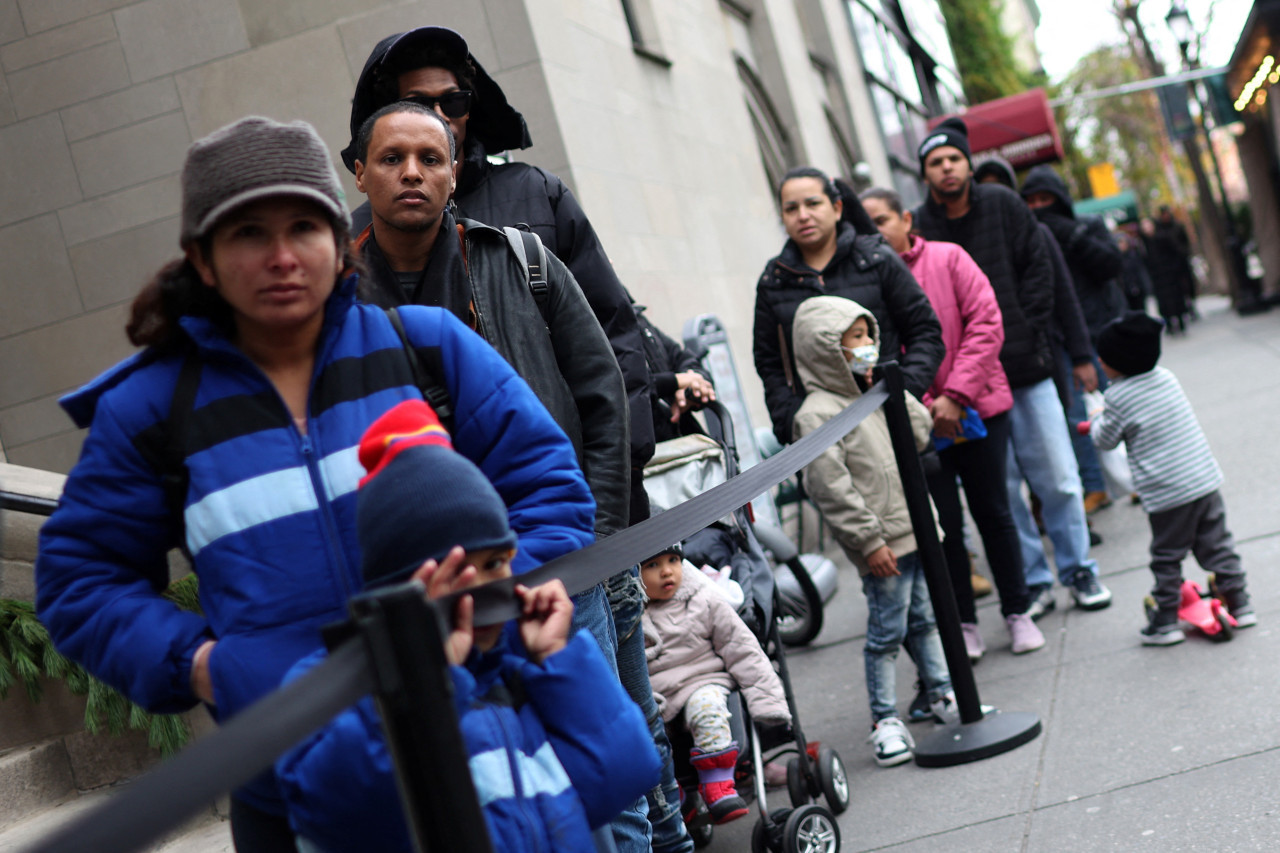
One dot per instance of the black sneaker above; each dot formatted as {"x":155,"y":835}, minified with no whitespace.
{"x":1162,"y":629}
{"x":1042,"y":600}
{"x":920,"y":709}
{"x":1088,"y":591}
{"x":1240,"y":607}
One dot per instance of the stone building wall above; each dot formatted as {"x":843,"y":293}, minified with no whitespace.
{"x":99,"y":100}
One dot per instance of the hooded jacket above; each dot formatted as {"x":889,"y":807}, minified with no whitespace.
{"x":514,"y":193}
{"x":1001,"y":235}
{"x":972,"y":330}
{"x":1092,"y":256}
{"x":864,"y":269}
{"x":695,"y":638}
{"x":559,"y":350}
{"x":555,"y":749}
{"x":855,"y":482}
{"x":270,"y":512}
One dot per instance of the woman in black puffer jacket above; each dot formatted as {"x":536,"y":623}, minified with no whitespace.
{"x":826,"y":257}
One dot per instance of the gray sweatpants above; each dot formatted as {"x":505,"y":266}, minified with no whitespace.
{"x":1201,"y":528}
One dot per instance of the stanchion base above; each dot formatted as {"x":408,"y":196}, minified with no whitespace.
{"x":964,"y":742}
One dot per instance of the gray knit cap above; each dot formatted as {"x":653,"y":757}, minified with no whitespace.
{"x":256,"y":158}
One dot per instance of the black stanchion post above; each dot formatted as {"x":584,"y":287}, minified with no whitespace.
{"x":976,"y":736}
{"x":405,"y":643}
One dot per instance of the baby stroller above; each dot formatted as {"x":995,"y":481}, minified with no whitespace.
{"x":680,"y":469}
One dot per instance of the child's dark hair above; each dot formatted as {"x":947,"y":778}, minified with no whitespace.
{"x":365,"y":136}
{"x":890,"y":197}
{"x":177,"y":290}
{"x":828,"y":186}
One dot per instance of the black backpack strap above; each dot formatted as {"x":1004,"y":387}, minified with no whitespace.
{"x":427,"y":368}
{"x":533,"y":254}
{"x":174,"y":475}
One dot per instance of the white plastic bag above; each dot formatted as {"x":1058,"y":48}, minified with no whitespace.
{"x":1115,"y":463}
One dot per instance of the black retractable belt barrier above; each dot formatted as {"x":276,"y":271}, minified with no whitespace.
{"x":976,"y":737}
{"x":581,"y":570}
{"x":240,"y":750}
{"x":398,"y":652}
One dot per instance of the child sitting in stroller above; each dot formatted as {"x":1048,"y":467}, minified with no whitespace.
{"x":698,"y":650}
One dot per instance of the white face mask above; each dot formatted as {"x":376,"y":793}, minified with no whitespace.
{"x":864,"y":357}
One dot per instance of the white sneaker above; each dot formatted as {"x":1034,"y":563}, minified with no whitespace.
{"x":892,"y":742}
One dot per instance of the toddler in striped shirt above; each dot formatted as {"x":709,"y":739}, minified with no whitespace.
{"x":1174,"y":472}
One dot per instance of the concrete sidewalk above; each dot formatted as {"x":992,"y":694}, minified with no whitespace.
{"x":1169,"y":749}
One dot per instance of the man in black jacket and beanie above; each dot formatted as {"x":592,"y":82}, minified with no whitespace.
{"x":433,"y":66}
{"x":995,"y":227}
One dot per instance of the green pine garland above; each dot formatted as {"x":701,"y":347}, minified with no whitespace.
{"x":27,"y":654}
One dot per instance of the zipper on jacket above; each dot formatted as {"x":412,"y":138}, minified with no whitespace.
{"x":326,"y":512}
{"x":512,"y":747}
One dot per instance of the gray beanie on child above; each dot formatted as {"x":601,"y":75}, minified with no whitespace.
{"x":252,"y":159}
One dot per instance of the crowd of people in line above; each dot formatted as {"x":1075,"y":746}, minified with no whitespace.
{"x":450,"y":385}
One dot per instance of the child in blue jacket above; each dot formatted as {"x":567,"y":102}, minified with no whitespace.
{"x":557,"y":747}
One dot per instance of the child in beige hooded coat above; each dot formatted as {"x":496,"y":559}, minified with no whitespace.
{"x":855,"y":484}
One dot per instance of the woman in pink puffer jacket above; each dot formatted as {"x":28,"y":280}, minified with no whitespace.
{"x":970,"y":378}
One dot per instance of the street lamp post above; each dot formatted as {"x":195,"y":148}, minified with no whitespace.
{"x":1243,"y":291}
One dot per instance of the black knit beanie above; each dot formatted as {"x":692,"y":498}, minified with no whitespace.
{"x":1131,"y":344}
{"x":952,"y":131}
{"x":420,"y":497}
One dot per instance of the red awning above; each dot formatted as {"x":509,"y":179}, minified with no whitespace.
{"x":1020,"y":128}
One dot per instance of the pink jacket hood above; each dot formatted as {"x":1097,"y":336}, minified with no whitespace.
{"x":972,"y":328}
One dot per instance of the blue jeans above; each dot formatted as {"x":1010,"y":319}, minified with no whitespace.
{"x":1040,"y":452}
{"x":899,"y":611}
{"x":1086,"y":455}
{"x":591,"y":611}
{"x":626,"y":600}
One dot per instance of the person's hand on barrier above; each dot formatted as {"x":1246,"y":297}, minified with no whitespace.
{"x":546,"y":613}
{"x":882,"y":562}
{"x":1086,"y":377}
{"x":448,"y":576}
{"x":201,"y":681}
{"x":947,"y":414}
{"x":441,"y":579}
{"x":693,"y":391}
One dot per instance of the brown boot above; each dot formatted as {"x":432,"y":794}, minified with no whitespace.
{"x":981,"y":586}
{"x":1094,"y":501}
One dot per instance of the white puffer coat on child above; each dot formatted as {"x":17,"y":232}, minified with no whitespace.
{"x":694,"y":639}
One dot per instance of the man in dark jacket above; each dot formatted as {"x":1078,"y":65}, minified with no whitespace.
{"x":999,"y":231}
{"x":433,"y":65}
{"x":1092,"y":256}
{"x":1095,"y":263}
{"x":418,"y":252}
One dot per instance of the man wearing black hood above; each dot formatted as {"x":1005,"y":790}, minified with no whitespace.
{"x":432,"y":66}
{"x":1092,"y":256}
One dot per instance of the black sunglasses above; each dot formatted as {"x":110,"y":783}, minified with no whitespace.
{"x":451,"y":104}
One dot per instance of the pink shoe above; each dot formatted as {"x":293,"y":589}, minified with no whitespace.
{"x":973,"y":641}
{"x":1026,"y":636}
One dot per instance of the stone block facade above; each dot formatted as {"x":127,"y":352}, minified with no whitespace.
{"x":99,"y":100}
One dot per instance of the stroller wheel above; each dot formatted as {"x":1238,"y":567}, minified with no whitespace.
{"x":800,"y":616}
{"x":701,"y":835}
{"x":760,"y":834}
{"x":797,"y":788}
{"x":810,"y":829}
{"x":832,"y":778}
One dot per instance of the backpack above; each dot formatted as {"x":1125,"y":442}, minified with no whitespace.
{"x":425,"y":365}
